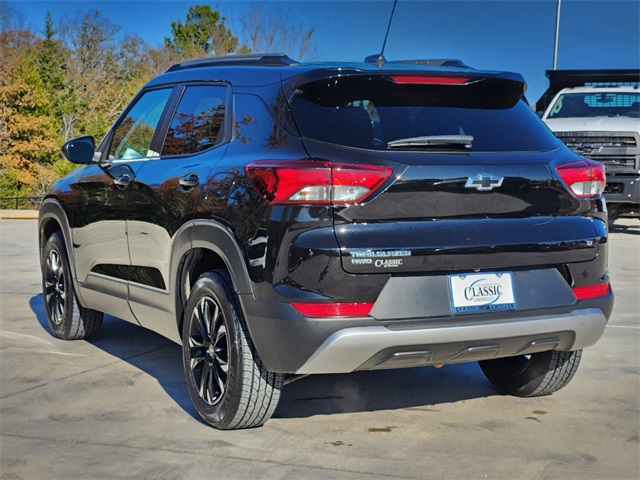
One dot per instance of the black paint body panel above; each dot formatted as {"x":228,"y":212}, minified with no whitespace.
{"x":137,"y":241}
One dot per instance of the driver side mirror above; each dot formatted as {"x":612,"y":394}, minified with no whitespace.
{"x":79,"y":150}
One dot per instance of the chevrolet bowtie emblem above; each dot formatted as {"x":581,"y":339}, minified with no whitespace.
{"x":484,"y":181}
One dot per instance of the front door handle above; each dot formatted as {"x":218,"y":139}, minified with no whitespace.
{"x":190,"y":180}
{"x":122,"y":181}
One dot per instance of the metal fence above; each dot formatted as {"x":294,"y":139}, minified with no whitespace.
{"x":20,"y":203}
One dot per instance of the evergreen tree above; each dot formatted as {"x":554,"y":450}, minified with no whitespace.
{"x":52,"y":62}
{"x":204,"y":33}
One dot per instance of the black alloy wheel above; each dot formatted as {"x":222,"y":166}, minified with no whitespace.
{"x":226,"y":380}
{"x":54,"y":286}
{"x":209,"y":350}
{"x":66,"y":317}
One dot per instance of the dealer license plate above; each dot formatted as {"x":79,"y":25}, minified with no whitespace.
{"x":475,"y":292}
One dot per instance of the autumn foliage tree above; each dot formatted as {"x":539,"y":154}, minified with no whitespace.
{"x":77,"y":75}
{"x":28,"y":145}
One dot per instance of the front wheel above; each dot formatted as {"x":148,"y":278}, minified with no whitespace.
{"x":227,"y":382}
{"x":67,"y":318}
{"x":532,"y":375}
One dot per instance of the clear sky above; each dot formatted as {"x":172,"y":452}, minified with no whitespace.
{"x":514,"y":35}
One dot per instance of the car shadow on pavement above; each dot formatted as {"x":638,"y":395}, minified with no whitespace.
{"x":414,"y":388}
{"x":421,"y":388}
{"x":148,"y":351}
{"x":628,"y":228}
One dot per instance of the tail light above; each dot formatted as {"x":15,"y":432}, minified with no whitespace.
{"x":360,"y":309}
{"x":316,"y":183}
{"x":430,"y":79}
{"x":591,"y":291}
{"x":585,"y":179}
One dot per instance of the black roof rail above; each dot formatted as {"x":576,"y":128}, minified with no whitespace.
{"x":253,"y":59}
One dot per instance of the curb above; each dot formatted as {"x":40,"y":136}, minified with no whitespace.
{"x":18,"y":214}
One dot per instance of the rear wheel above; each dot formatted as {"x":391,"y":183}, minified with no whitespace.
{"x":532,"y":375}
{"x":67,"y":318}
{"x":227,"y":382}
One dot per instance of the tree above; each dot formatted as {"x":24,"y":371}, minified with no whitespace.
{"x":105,"y":71}
{"x":27,"y":127}
{"x":204,"y":33}
{"x":10,"y":18}
{"x":52,"y":63}
{"x":270,"y":30}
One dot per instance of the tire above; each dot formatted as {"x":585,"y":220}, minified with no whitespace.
{"x":532,"y":375}
{"x":227,"y":382}
{"x":613,"y":214}
{"x":67,"y":318}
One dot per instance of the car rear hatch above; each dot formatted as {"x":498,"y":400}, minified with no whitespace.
{"x":472,"y":182}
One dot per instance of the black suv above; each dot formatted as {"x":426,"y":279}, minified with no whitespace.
{"x":281,"y":219}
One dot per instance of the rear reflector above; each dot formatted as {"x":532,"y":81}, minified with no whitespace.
{"x":430,"y":79}
{"x":361,"y":309}
{"x":591,"y":291}
{"x":315,"y":183}
{"x":585,"y":179}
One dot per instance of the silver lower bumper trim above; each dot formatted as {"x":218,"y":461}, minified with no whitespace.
{"x":348,"y":349}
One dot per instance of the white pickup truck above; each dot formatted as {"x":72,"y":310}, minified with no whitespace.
{"x":602,"y":122}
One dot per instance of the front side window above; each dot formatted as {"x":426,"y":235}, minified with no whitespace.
{"x":198,"y":121}
{"x":133,"y":135}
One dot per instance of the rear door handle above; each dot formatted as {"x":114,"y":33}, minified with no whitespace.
{"x":122,"y":181}
{"x":190,"y":180}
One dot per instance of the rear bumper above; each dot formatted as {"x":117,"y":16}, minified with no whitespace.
{"x":367,"y":348}
{"x":623,"y":189}
{"x":411,"y":324}
{"x":289,"y":342}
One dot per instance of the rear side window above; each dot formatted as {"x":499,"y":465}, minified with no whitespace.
{"x":371,"y":111}
{"x":198,"y":121}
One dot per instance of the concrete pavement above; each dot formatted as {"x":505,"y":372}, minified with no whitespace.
{"x":117,"y":406}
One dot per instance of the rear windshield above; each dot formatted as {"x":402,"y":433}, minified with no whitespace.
{"x":596,"y":104}
{"x":371,"y":111}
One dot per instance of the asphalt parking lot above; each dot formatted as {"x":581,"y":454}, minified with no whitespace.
{"x":117,"y":406}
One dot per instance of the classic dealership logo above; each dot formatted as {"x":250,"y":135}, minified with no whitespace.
{"x":389,"y":263}
{"x":482,"y":291}
{"x":485,"y":294}
{"x":484,"y":182}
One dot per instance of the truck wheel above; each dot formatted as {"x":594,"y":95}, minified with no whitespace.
{"x":67,"y":318}
{"x":613,"y":214}
{"x":532,"y":375}
{"x":227,"y":382}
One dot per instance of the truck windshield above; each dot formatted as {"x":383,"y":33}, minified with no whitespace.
{"x":596,"y":104}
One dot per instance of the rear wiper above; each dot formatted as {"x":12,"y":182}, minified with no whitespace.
{"x":463,"y":141}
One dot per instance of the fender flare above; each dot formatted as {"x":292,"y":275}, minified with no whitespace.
{"x":209,"y":235}
{"x":51,"y":208}
{"x":220,"y":239}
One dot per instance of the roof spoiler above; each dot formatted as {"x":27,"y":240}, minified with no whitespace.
{"x":446,"y":62}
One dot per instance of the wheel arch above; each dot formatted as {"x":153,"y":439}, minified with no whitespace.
{"x":206,"y":245}
{"x":53,"y":218}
